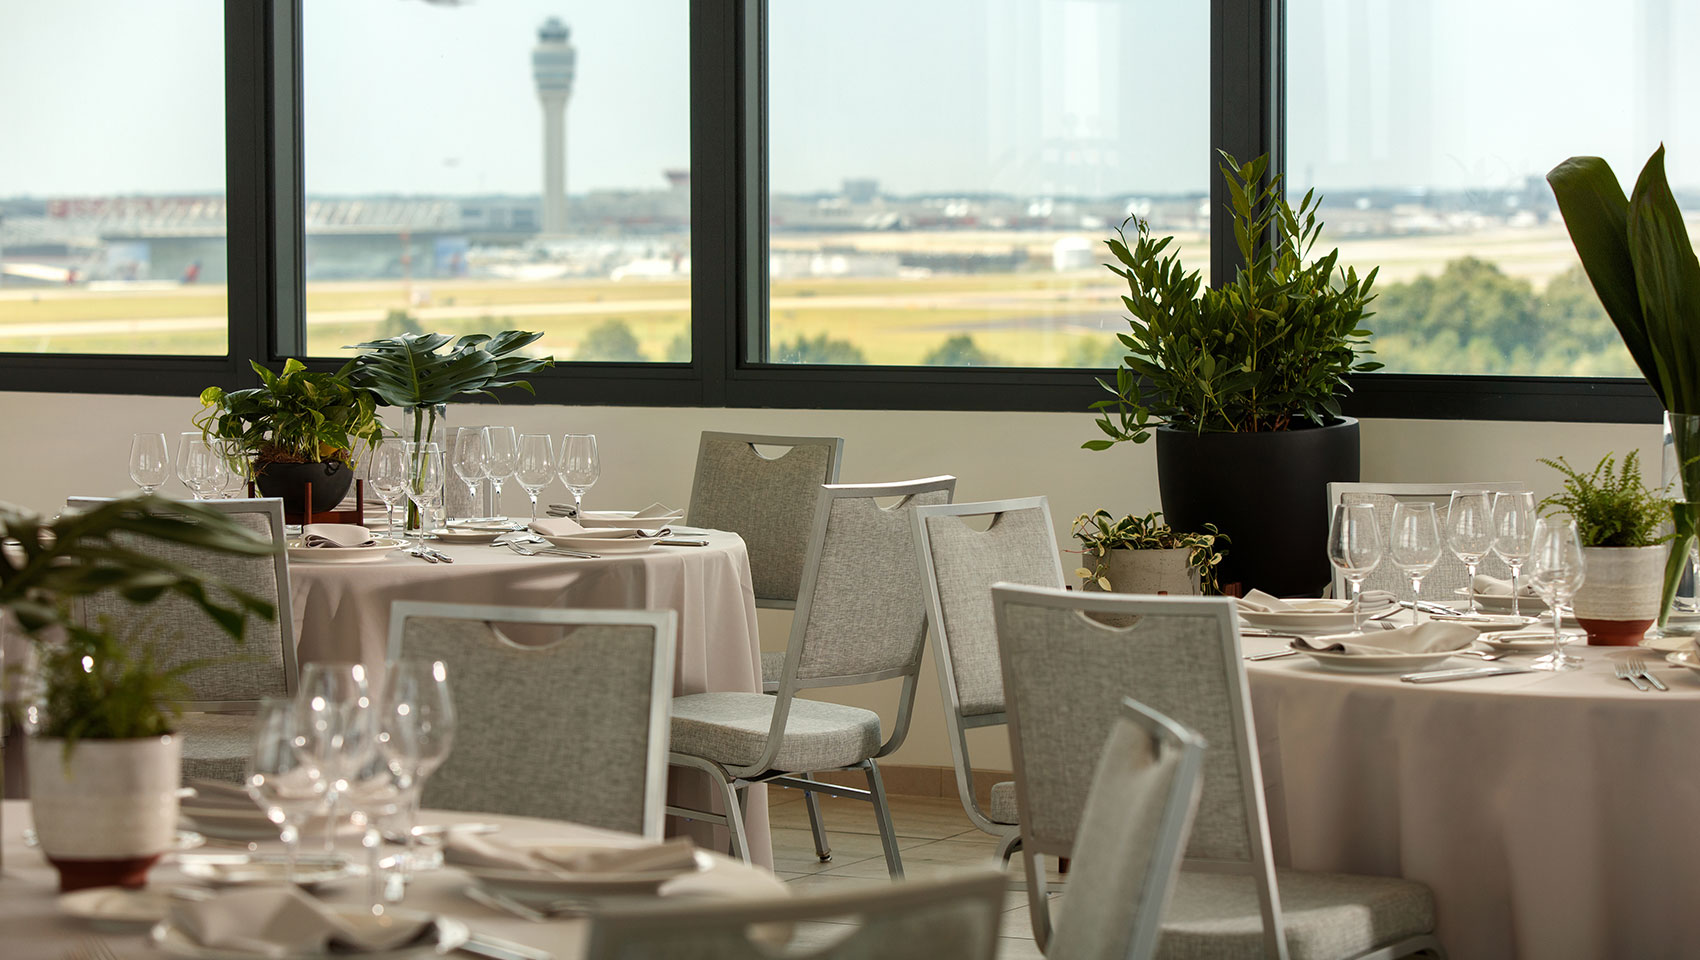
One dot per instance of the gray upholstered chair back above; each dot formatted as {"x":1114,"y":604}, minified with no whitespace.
{"x":571,"y":729}
{"x":232,"y":676}
{"x":1449,"y":575}
{"x":953,"y":916}
{"x":770,"y":503}
{"x":1133,"y":834}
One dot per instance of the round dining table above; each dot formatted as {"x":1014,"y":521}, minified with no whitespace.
{"x":1554,"y":815}
{"x":341,"y":612}
{"x":32,"y":927}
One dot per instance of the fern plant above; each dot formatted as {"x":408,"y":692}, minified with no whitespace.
{"x":1612,"y":508}
{"x":101,"y":687}
{"x":1100,"y":532}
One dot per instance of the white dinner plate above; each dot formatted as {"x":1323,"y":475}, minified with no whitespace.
{"x":533,"y":884}
{"x":1517,"y":640}
{"x":499,"y":524}
{"x":1672,"y":644}
{"x":238,"y":871}
{"x":379,"y":550}
{"x":468,"y":534}
{"x":1326,"y":616}
{"x":1377,"y":663}
{"x":625,"y":519}
{"x":451,"y":933}
{"x":1486,"y":621}
{"x":1684,"y":658}
{"x":1491,"y":604}
{"x":590,"y":543}
{"x":117,"y":906}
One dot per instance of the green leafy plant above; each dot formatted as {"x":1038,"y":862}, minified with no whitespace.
{"x":99,"y":687}
{"x":293,"y":416}
{"x":1269,"y":350}
{"x":407,"y":370}
{"x":1611,"y":509}
{"x":1100,"y":532}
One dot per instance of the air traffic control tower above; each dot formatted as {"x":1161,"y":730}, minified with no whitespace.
{"x":553,"y":63}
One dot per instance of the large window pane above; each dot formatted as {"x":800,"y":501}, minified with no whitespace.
{"x":1430,"y":128}
{"x":112,"y":177}
{"x":944,"y":173}
{"x":522,"y":164}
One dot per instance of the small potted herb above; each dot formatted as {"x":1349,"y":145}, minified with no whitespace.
{"x":1145,"y":555}
{"x":1619,"y":521}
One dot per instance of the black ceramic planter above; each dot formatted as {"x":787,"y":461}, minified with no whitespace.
{"x":287,"y":481}
{"x":1267,"y":491}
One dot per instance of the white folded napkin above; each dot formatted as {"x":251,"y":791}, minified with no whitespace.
{"x":1259,"y":602}
{"x":216,"y":795}
{"x":561,"y":510}
{"x":273,"y":921}
{"x":557,"y":527}
{"x":677,"y":855}
{"x":1487,"y":586}
{"x":655,"y":511}
{"x":336,"y":535}
{"x":1423,"y":638}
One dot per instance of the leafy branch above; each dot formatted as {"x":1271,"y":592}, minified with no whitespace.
{"x":1099,"y":533}
{"x":1610,"y":509}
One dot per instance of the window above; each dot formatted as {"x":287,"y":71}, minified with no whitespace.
{"x":1430,"y":127}
{"x":475,"y":168}
{"x":943,"y":174}
{"x":112,"y":180}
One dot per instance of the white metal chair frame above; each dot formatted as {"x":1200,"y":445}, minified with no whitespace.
{"x":663,"y":623}
{"x":957,"y":725}
{"x":1338,"y":489}
{"x":733,"y":780}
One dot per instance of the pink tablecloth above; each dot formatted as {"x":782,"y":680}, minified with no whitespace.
{"x":1554,"y":816}
{"x":342,"y":612}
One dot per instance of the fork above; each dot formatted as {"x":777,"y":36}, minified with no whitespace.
{"x":90,"y":948}
{"x":1638,"y":667}
{"x":422,"y":554}
{"x":1624,"y":673}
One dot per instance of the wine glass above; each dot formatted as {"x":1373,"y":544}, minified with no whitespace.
{"x":1354,"y":547}
{"x":415,"y":732}
{"x":335,"y":729}
{"x":536,"y":466}
{"x":149,"y":466}
{"x":233,"y":476}
{"x":469,"y":459}
{"x":191,"y":469}
{"x":389,"y":477}
{"x":579,"y":467}
{"x":425,"y":487}
{"x":1469,"y":532}
{"x":372,"y":794}
{"x":501,"y":458}
{"x":1557,"y":568}
{"x":289,"y":790}
{"x":1514,"y":533}
{"x":1415,"y":546}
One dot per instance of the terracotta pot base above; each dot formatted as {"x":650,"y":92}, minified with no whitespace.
{"x":1615,"y":633}
{"x":131,"y":872}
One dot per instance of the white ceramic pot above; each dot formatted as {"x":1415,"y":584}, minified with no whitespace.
{"x":1149,"y":571}
{"x":110,"y":800}
{"x":1620,"y":594}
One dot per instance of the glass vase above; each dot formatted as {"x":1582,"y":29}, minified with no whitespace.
{"x":426,"y":423}
{"x":1682,"y":477}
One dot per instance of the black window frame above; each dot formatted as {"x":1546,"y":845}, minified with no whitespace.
{"x":729,"y":125}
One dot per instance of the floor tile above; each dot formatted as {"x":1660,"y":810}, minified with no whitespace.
{"x":925,"y":858}
{"x":928,"y":818}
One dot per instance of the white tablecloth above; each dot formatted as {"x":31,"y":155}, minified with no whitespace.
{"x":342,"y":612}
{"x":31,"y":927}
{"x":1554,"y":815}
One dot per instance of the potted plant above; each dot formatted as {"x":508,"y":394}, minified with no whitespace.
{"x":1240,"y":383}
{"x":104,"y":767}
{"x":294,"y":428}
{"x":1618,"y":519}
{"x":1145,"y":555}
{"x":1637,"y":255}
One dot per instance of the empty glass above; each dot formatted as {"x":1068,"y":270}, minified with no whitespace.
{"x":501,"y":458}
{"x":1415,"y":544}
{"x":335,"y":729}
{"x":415,"y":732}
{"x":580,"y":467}
{"x":193,"y":466}
{"x":536,"y":466}
{"x":425,"y":486}
{"x":1354,"y":547}
{"x":1469,"y":532}
{"x":1514,"y":534}
{"x":289,"y":790}
{"x":388,"y":476}
{"x":1557,"y":568}
{"x":149,"y":463}
{"x":469,"y":459}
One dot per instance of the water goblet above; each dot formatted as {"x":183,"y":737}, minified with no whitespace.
{"x":1415,"y":544}
{"x":389,"y":477}
{"x":579,"y":466}
{"x":1354,"y":548}
{"x":1514,"y":532}
{"x":470,"y":459}
{"x":415,"y":733}
{"x":425,"y":487}
{"x":149,"y":464}
{"x":335,"y":728}
{"x":289,"y":790}
{"x":536,"y":466}
{"x":1469,"y":532}
{"x":1557,"y":568}
{"x":501,"y":458}
{"x":191,"y":469}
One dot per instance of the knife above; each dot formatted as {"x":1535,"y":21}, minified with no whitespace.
{"x":495,"y":948}
{"x":1466,"y":673}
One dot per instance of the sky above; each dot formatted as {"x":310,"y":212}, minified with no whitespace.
{"x":1022,"y":96}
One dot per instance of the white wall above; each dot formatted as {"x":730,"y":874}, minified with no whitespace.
{"x":52,"y":445}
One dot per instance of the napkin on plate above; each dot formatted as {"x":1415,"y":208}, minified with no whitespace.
{"x":1487,"y":586}
{"x":561,"y":510}
{"x":557,"y":527}
{"x":1259,"y":602}
{"x":655,"y":511}
{"x":336,"y":535}
{"x":675,"y":855}
{"x":270,"y":921}
{"x":217,"y":795}
{"x":1422,"y":638}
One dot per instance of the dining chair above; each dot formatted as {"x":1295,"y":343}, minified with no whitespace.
{"x":860,"y":619}
{"x":959,"y":564}
{"x":231,"y":677}
{"x":1448,"y":576}
{"x":573,"y":727}
{"x":954,"y":915}
{"x":1136,"y":821}
{"x":1065,"y":676}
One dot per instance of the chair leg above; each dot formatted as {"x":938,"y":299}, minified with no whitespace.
{"x":729,"y":795}
{"x":1009,"y":846}
{"x":882,"y":817}
{"x":1038,"y":899}
{"x":823,"y":849}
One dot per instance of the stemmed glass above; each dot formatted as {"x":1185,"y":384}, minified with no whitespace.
{"x":579,"y":467}
{"x":536,"y":466}
{"x":232,"y":473}
{"x":470,"y":459}
{"x":287,"y":789}
{"x":1354,"y":547}
{"x":1416,"y":544}
{"x":1557,"y":567}
{"x":372,"y":794}
{"x":192,"y":466}
{"x":415,"y":733}
{"x":1514,"y":533}
{"x":335,"y":729}
{"x":389,"y":477}
{"x":149,"y":466}
{"x":1469,"y":532}
{"x":425,"y":487}
{"x":501,"y":458}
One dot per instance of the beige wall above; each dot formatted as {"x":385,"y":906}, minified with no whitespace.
{"x":52,"y":445}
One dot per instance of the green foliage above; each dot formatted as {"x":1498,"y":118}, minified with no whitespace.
{"x":821,"y":349}
{"x":1268,"y":351}
{"x":679,"y":349}
{"x":1099,"y":533}
{"x":1610,"y":509}
{"x":1095,"y":353}
{"x":101,"y":688}
{"x":611,"y":342}
{"x":407,"y":370}
{"x":292,"y":417}
{"x":398,"y":322}
{"x":960,"y":351}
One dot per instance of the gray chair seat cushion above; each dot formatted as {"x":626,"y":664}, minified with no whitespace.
{"x":1003,"y":803}
{"x":1329,"y":916}
{"x":216,"y":745}
{"x":772,"y":669}
{"x":731,"y":729}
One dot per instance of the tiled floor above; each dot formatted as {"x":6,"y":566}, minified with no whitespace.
{"x":933,"y":835}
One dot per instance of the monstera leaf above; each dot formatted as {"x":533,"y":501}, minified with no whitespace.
{"x":407,"y":371}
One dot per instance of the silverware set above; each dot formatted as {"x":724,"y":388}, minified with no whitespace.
{"x":430,"y":554}
{"x":523,"y":549}
{"x":1634,"y":670}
